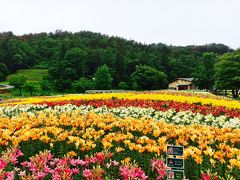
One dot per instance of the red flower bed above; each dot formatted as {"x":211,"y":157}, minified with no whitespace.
{"x":158,"y":105}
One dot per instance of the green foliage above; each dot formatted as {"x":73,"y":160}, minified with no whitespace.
{"x":123,"y":86}
{"x":75,"y":59}
{"x":62,"y":77}
{"x":135,"y":86}
{"x":31,"y":87}
{"x":3,"y":71}
{"x":42,"y":65}
{"x":45,"y":86}
{"x":72,"y":67}
{"x":149,"y":78}
{"x":31,"y":74}
{"x":70,"y":56}
{"x":18,"y":81}
{"x":102,"y":78}
{"x":227,"y":72}
{"x":204,"y":73}
{"x":2,"y":77}
{"x":120,"y":66}
{"x":62,"y":85}
{"x":83,"y":84}
{"x":16,"y":54}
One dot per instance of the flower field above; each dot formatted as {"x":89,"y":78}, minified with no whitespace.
{"x":118,"y":136}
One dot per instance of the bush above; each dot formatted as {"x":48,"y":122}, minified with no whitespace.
{"x":2,"y":77}
{"x":31,"y":87}
{"x":3,"y":72}
{"x":135,"y":86}
{"x":123,"y":86}
{"x":103,"y":78}
{"x":83,"y":84}
{"x":46,"y":87}
{"x":18,"y":81}
{"x":149,"y":78}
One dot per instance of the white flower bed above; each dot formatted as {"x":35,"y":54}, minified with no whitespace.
{"x":169,"y":116}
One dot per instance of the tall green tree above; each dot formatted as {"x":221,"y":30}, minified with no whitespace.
{"x":120,"y":64}
{"x":62,"y":77}
{"x":149,"y":78}
{"x":72,"y":67}
{"x":47,"y":48}
{"x":177,"y":69}
{"x":83,"y":84}
{"x":102,"y":78}
{"x":46,"y":86}
{"x":3,"y":71}
{"x":204,"y":73}
{"x":18,"y":82}
{"x":32,"y":87}
{"x":227,"y":73}
{"x":122,"y":85}
{"x":76,"y":59}
{"x":79,"y":54}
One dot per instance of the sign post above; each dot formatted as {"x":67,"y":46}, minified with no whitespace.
{"x":175,"y":161}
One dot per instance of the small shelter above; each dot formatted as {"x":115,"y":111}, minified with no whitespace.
{"x":182,"y":84}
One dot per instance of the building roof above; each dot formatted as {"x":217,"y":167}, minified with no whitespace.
{"x":186,"y":79}
{"x":183,"y":84}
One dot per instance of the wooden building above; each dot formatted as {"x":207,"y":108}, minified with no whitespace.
{"x":182,"y":84}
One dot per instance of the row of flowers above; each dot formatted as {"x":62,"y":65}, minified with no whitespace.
{"x":45,"y":165}
{"x":169,"y":116}
{"x":128,"y":137}
{"x":97,"y":167}
{"x":118,"y":136}
{"x":185,"y":93}
{"x":158,"y":105}
{"x":230,"y":104}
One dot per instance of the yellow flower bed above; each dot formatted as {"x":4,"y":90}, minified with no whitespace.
{"x":142,"y":135}
{"x":231,"y":104}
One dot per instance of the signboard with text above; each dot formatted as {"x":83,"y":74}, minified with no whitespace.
{"x":175,"y":163}
{"x":175,"y":150}
{"x":175,"y":174}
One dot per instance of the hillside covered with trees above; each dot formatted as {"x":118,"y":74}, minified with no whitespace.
{"x":77,"y":61}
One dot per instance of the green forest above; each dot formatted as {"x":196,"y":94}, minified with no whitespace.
{"x":86,"y":60}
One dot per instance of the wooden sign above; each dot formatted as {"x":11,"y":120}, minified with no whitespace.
{"x":175,"y":174}
{"x":175,"y":163}
{"x":175,"y":150}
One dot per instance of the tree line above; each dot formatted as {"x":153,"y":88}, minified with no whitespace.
{"x":87,"y":60}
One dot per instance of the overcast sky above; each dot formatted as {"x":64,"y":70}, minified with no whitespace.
{"x":176,"y":22}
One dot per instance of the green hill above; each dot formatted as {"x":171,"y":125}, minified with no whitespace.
{"x":31,"y":74}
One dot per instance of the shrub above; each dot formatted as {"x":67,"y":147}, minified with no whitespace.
{"x":103,"y":78}
{"x":83,"y":84}
{"x":123,"y":85}
{"x":18,"y":81}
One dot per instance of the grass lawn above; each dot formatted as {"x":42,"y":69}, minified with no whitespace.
{"x":4,"y":82}
{"x":31,"y":74}
{"x":14,"y":93}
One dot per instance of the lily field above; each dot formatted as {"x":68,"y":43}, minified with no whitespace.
{"x":119,"y":136}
